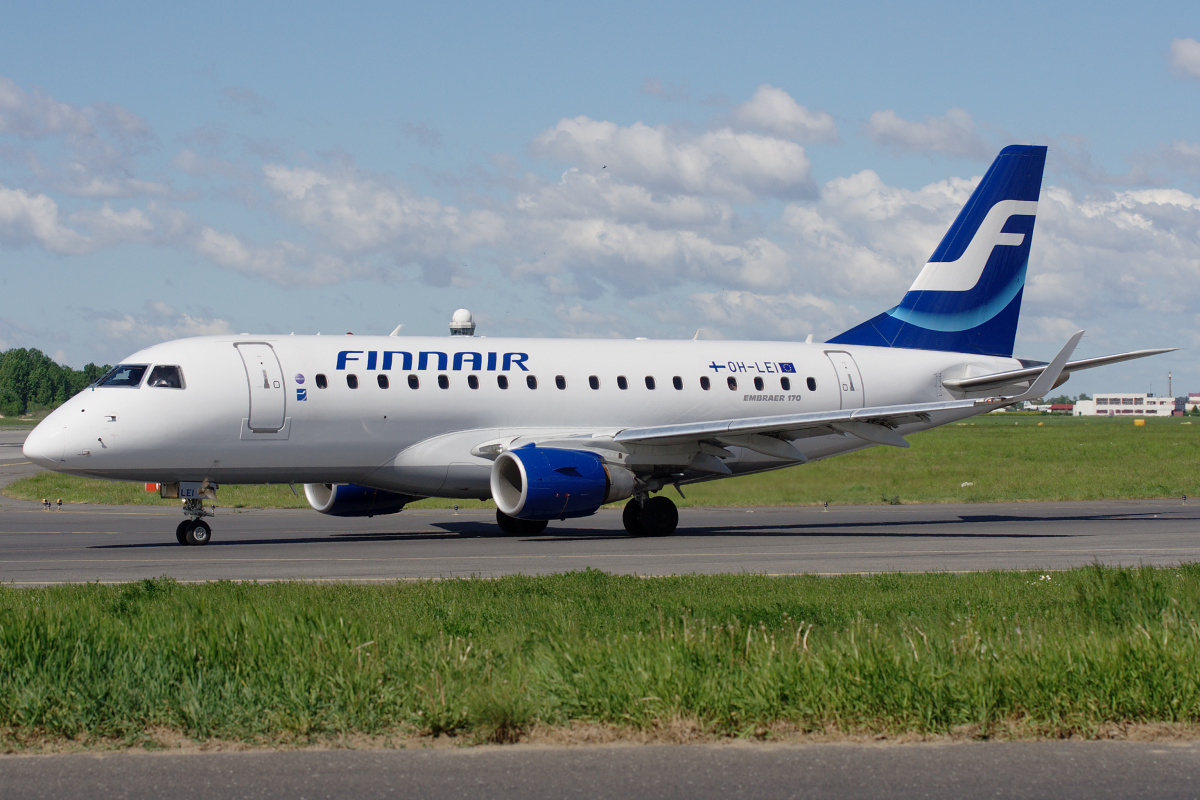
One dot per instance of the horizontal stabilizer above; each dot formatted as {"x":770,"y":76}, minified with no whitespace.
{"x":997,"y":380}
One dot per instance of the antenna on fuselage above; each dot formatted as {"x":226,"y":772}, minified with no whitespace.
{"x":397,"y":331}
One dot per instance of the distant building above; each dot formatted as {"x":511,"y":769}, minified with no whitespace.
{"x":1112,"y":404}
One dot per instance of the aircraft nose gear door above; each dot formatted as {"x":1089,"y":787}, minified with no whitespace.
{"x":267,"y":392}
{"x":849,"y":378}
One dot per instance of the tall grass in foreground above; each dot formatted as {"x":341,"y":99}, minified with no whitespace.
{"x":488,"y":658}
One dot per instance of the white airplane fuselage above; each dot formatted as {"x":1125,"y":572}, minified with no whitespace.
{"x":233,"y":422}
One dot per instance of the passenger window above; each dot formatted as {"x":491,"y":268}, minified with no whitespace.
{"x":732,"y":381}
{"x":127,"y":375}
{"x":594,"y":382}
{"x":382,"y":380}
{"x":321,"y":382}
{"x":414,"y":382}
{"x":473,"y":381}
{"x":705,"y":384}
{"x":165,"y":377}
{"x":649,"y":382}
{"x":785,"y":384}
{"x":758,"y":384}
{"x":443,"y":382}
{"x":531,"y":381}
{"x":677,"y":382}
{"x":352,"y":381}
{"x":502,"y":381}
{"x":812,"y":384}
{"x":560,"y":382}
{"x":622,"y":383}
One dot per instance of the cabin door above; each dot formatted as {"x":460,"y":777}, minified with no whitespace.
{"x":267,"y":393}
{"x":849,"y":378}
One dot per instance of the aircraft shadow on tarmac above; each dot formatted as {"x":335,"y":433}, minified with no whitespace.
{"x":484,"y":532}
{"x":876,"y":529}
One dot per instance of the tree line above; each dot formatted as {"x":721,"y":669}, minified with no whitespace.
{"x":31,"y":381}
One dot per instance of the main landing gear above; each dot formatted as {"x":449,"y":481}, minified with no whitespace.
{"x":512,"y":526}
{"x":650,"y":516}
{"x":194,"y":530}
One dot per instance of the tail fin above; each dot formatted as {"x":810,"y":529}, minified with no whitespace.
{"x":968,"y":297}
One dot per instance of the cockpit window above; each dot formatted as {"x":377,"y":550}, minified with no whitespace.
{"x":168,"y":377}
{"x":128,"y":375}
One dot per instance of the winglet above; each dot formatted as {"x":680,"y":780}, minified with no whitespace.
{"x":1045,"y":382}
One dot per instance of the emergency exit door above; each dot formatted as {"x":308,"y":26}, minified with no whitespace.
{"x":849,"y":378}
{"x":268,"y":395}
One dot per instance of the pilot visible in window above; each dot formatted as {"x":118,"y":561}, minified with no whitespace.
{"x":166,"y":377}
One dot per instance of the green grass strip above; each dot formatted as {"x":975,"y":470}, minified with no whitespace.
{"x":1058,"y":654}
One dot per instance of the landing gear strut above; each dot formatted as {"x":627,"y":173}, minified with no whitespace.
{"x":652,"y":516}
{"x":194,"y":530}
{"x":519,"y":527}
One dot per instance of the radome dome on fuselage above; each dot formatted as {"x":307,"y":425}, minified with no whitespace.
{"x":552,"y":429}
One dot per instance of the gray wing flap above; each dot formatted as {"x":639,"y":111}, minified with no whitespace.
{"x":792,"y":426}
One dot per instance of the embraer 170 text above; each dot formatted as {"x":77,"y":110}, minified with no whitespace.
{"x":552,"y":429}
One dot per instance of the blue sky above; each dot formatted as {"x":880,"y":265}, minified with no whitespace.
{"x":617,"y":169}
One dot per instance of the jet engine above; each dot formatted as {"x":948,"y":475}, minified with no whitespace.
{"x":533,"y":482}
{"x":352,"y":500}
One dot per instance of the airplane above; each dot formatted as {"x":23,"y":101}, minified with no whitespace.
{"x":552,"y":429}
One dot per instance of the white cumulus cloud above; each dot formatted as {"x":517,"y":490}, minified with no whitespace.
{"x":34,"y":115}
{"x":767,"y":316}
{"x":954,"y":134}
{"x":34,"y":218}
{"x":773,"y":111}
{"x":156,"y":322}
{"x":355,"y":211}
{"x":741,"y":166}
{"x":1184,"y":57}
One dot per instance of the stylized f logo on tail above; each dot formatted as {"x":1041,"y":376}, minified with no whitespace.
{"x":968,"y":296}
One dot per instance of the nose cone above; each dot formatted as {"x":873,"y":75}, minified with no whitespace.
{"x":46,"y":445}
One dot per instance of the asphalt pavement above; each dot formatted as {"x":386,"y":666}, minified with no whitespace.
{"x":697,"y":772}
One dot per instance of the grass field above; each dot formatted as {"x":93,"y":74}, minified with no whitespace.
{"x":1007,"y":654}
{"x":988,"y":459}
{"x":20,"y":423}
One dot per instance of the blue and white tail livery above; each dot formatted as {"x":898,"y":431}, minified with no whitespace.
{"x":556,"y":428}
{"x":968,"y":297}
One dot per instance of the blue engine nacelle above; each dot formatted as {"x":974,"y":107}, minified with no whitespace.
{"x":533,"y":482}
{"x":352,"y":500}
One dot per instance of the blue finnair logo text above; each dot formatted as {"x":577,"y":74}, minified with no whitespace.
{"x":432,"y":359}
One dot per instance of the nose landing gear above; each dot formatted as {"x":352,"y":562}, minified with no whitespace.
{"x":194,"y":531}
